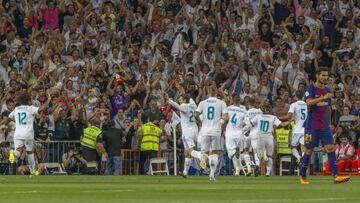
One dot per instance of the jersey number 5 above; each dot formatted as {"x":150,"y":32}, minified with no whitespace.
{"x":22,"y":118}
{"x":303,"y":114}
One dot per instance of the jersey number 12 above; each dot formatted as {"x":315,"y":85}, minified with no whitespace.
{"x":22,"y":118}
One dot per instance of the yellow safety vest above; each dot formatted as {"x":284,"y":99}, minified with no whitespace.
{"x":282,"y":141}
{"x":150,"y":137}
{"x":90,"y":136}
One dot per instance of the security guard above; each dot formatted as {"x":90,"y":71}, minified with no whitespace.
{"x":150,"y":143}
{"x":91,"y":142}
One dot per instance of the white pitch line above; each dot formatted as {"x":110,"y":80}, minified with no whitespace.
{"x":20,"y":192}
{"x":291,"y":200}
{"x":105,"y":191}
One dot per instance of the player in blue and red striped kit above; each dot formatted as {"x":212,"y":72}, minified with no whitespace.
{"x":317,"y":125}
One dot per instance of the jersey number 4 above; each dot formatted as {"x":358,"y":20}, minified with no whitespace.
{"x":22,"y":118}
{"x":234,"y":119}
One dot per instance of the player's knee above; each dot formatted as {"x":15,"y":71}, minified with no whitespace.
{"x":329,"y":148}
{"x":187,"y":153}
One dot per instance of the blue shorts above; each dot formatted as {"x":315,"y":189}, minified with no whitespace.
{"x":312,"y":138}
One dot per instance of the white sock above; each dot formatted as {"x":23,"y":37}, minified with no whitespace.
{"x":213,"y":160}
{"x":236,"y":163}
{"x":31,"y":162}
{"x":257,"y":160}
{"x":186,"y":165}
{"x":269,"y":164}
{"x":295,"y":152}
{"x":247,"y":160}
{"x":196,"y":154}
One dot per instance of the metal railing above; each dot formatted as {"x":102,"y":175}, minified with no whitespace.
{"x":53,"y":151}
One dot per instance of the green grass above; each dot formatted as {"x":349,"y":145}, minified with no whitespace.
{"x":88,"y":189}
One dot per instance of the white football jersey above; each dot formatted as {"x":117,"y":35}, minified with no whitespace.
{"x":212,"y":110}
{"x":250,"y":114}
{"x":236,"y":118}
{"x":299,"y":112}
{"x":265,"y":123}
{"x":24,"y":121}
{"x":187,"y":114}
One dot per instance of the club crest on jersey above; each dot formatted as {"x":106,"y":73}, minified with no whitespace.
{"x":322,"y":104}
{"x":307,"y":93}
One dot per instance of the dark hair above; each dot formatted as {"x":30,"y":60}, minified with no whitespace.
{"x":70,"y":148}
{"x":252,"y":101}
{"x":236,"y":99}
{"x":299,"y":94}
{"x":322,"y":69}
{"x":9,"y":101}
{"x":24,"y":98}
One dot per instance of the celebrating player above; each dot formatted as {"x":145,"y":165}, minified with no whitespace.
{"x":212,"y":109}
{"x":23,"y":116}
{"x":189,"y":129}
{"x":317,"y":126}
{"x":234,"y":136}
{"x":265,"y":127}
{"x":252,"y":139}
{"x":298,"y":111}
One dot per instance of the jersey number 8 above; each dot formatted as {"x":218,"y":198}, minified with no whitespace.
{"x":210,"y":113}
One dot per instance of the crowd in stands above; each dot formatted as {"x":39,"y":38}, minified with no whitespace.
{"x":119,"y":59}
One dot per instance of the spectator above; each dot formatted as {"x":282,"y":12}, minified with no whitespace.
{"x":280,"y":108}
{"x":62,"y":124}
{"x":41,"y":128}
{"x":347,"y":122}
{"x":50,"y":13}
{"x":344,"y":153}
{"x":114,"y":139}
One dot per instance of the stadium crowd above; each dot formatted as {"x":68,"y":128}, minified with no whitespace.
{"x":120,"y":59}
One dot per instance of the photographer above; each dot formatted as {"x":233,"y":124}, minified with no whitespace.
{"x":73,"y":162}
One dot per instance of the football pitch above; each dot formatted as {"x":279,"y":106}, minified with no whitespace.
{"x":88,"y":189}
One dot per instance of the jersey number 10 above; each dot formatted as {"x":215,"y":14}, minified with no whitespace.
{"x":264,"y":126}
